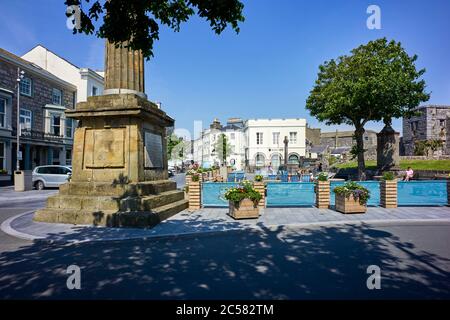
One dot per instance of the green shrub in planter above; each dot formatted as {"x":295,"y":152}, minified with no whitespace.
{"x":195,"y":177}
{"x":322,"y":177}
{"x":245,"y":190}
{"x":259,"y":178}
{"x":388,"y":176}
{"x":352,"y":188}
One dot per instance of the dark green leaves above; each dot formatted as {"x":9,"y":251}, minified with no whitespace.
{"x":137,"y":21}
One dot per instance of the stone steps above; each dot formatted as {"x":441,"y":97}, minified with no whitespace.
{"x":120,"y":190}
{"x":171,"y":209}
{"x":150,"y":202}
{"x":74,"y":216}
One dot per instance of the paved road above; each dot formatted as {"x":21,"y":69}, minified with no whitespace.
{"x":309,"y":263}
{"x":13,"y":203}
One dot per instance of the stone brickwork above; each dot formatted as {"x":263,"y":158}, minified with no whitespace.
{"x":41,"y":94}
{"x":341,"y":139}
{"x":431,"y":123}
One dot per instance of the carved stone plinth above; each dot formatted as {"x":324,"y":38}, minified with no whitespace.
{"x":119,"y":173}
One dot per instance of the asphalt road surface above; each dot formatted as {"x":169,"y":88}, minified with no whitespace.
{"x":309,"y":263}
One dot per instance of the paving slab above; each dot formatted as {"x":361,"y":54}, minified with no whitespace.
{"x":211,"y":220}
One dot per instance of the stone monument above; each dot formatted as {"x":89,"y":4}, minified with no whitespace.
{"x":388,"y":158}
{"x":120,"y":176}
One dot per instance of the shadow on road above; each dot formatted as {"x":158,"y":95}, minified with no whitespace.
{"x":320,"y":263}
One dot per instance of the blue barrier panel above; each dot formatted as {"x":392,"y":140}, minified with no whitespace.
{"x":213,"y":193}
{"x":372,"y":186}
{"x":290,"y":194}
{"x":425,"y":193}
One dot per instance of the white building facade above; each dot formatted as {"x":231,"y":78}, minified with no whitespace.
{"x":205,"y":152}
{"x":265,"y":141}
{"x":254,"y":143}
{"x":88,"y":82}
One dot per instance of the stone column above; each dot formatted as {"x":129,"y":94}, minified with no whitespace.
{"x":388,"y":157}
{"x":124,"y":70}
{"x":286,"y":153}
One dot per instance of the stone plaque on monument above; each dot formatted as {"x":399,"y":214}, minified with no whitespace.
{"x":153,"y":150}
{"x":104,"y":148}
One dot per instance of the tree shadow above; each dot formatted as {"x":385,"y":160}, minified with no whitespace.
{"x":270,"y":263}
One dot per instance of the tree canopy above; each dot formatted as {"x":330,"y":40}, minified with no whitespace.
{"x":222,"y":148}
{"x":137,"y":22}
{"x":376,"y":82}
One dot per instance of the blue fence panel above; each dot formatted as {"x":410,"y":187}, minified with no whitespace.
{"x":372,"y":186}
{"x":433,"y":192}
{"x":287,"y":194}
{"x":213,"y":193}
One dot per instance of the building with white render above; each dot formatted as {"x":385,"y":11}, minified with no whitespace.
{"x":88,"y":82}
{"x":254,"y":142}
{"x":204,"y":149}
{"x":264,"y":141}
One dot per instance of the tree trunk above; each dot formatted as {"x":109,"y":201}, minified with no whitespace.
{"x":359,"y":132}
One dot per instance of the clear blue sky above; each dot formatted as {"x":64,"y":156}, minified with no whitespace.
{"x":267,"y":70}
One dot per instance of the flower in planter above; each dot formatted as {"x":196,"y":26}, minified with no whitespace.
{"x":243,"y":191}
{"x":259,"y":178}
{"x":195,"y":177}
{"x":353,"y":189}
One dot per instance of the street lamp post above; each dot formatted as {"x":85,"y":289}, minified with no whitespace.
{"x":20,"y":74}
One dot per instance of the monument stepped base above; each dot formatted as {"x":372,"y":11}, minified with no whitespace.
{"x":142,"y":204}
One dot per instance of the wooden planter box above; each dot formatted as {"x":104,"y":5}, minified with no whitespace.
{"x":348,"y":205}
{"x":388,"y":193}
{"x":261,"y":188}
{"x":195,"y":195}
{"x":245,"y":210}
{"x":323,"y":194}
{"x":188,"y":179}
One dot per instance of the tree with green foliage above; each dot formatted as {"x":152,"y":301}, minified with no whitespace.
{"x":222,"y":148}
{"x":377,"y":82}
{"x":137,"y":22}
{"x":172,"y":150}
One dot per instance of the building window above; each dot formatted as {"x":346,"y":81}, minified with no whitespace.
{"x":260,"y":160}
{"x":69,"y":128}
{"x":442,"y":123}
{"x":25,"y":119}
{"x":275,"y":161}
{"x":232,"y":136}
{"x":55,"y":124}
{"x":26,"y":85}
{"x":94,"y":91}
{"x":69,"y":157}
{"x":366,"y":138}
{"x":293,"y":137}
{"x":259,"y":138}
{"x":2,"y":113}
{"x":293,"y":159}
{"x":2,"y":156}
{"x":276,"y":138}
{"x":56,"y":97}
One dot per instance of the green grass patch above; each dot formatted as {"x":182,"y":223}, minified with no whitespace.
{"x":404,"y":164}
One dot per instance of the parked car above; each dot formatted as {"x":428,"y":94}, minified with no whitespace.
{"x":171,"y":173}
{"x":50,"y":176}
